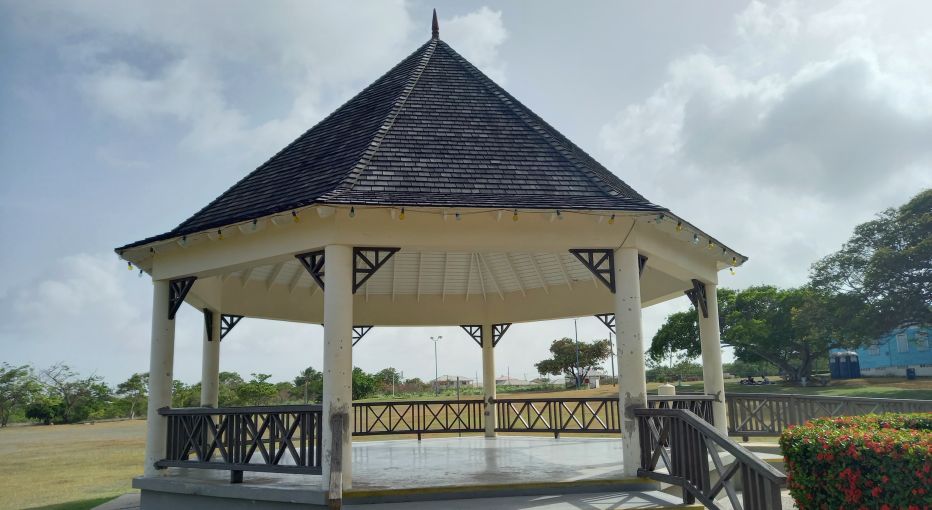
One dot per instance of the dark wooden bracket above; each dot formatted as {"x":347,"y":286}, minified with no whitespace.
{"x":498,"y":331}
{"x":601,"y":262}
{"x":208,"y":324}
{"x":227,"y":323}
{"x":313,"y":261}
{"x":359,"y":332}
{"x":608,"y":319}
{"x":475,"y":332}
{"x":177,"y":290}
{"x":698,"y":298}
{"x":366,"y":261}
{"x":642,"y":261}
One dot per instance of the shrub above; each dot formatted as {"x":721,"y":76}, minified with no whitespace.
{"x":861,"y":462}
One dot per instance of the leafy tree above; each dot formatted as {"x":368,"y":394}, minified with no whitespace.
{"x":563,"y":360}
{"x":18,"y":387}
{"x":788,"y":328}
{"x":229,"y":385}
{"x":364,"y":384}
{"x":257,"y":391}
{"x":387,"y":376}
{"x":43,"y":409}
{"x":134,"y":391}
{"x":184,"y":395}
{"x":77,"y":397}
{"x":309,"y":385}
{"x":884,"y":271}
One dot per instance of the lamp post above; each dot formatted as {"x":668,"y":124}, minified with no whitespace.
{"x":436,"y":371}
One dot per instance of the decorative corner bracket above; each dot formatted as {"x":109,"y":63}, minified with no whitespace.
{"x":474,"y":331}
{"x":366,"y":261}
{"x":498,"y":331}
{"x":642,"y":261}
{"x":608,"y":319}
{"x":698,"y":298}
{"x":208,"y":322}
{"x":359,"y":332}
{"x":177,"y":290}
{"x":227,"y":323}
{"x":600,"y":262}
{"x":313,"y":261}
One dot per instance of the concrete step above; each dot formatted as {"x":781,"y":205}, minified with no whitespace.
{"x":643,"y":500}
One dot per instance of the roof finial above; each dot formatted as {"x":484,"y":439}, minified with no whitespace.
{"x":435,"y":27}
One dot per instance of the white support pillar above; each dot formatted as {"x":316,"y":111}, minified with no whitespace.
{"x":210,"y":364}
{"x":488,"y":380}
{"x":338,"y":355}
{"x":712,"y":377}
{"x":632,"y":385}
{"x":161,"y":362}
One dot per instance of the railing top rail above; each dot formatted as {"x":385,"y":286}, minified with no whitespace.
{"x":680,"y":398}
{"x":416,"y":402}
{"x":169,"y":411}
{"x":739,"y":452}
{"x":798,"y":396}
{"x":558,"y":399}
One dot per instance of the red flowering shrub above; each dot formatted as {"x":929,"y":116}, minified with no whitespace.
{"x":881,"y":462}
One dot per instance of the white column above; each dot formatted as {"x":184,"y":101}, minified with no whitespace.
{"x":210,"y":364}
{"x":712,"y":377}
{"x":488,"y":379}
{"x":632,"y":385}
{"x":338,"y":354}
{"x":161,"y":361}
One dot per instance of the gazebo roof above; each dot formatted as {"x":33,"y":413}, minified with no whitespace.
{"x":434,"y":131}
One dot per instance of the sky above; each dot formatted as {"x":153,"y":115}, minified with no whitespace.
{"x":774,"y":126}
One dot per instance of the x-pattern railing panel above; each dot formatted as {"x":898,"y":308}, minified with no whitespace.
{"x":771,"y":414}
{"x":276,"y":438}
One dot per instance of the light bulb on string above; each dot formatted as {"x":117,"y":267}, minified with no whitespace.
{"x":294,"y":216}
{"x":710,"y":245}
{"x":402,"y":215}
{"x":514,"y":217}
{"x":559,"y":215}
{"x":679,"y":226}
{"x":734,"y":261}
{"x":660,"y":218}
{"x":611,"y":221}
{"x":732,"y":270}
{"x":219,"y":234}
{"x":140,"y":273}
{"x":457,"y":215}
{"x":129,"y":266}
{"x":695,"y":238}
{"x":352,"y":212}
{"x":255,"y":224}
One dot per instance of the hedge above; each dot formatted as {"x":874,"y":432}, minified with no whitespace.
{"x":881,"y":462}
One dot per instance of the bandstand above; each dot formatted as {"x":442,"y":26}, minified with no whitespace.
{"x":432,"y":198}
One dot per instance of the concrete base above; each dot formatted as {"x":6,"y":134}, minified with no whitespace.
{"x":410,"y":470}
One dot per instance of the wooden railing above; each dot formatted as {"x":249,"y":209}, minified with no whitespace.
{"x":676,"y":448}
{"x":580,"y":415}
{"x":278,"y":439}
{"x":766,"y":414}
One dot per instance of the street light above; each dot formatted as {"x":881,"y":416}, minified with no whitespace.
{"x":436,"y":372}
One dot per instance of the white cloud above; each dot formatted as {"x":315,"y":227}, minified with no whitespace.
{"x":477,"y":36}
{"x":810,"y":124}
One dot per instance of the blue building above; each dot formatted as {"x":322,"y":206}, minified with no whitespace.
{"x":893,"y":353}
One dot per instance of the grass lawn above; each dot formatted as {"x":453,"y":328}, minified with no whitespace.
{"x":77,"y":467}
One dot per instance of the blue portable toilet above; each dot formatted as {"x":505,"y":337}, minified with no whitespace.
{"x":833,"y":361}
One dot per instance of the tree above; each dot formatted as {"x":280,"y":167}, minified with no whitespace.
{"x":386,"y":377}
{"x":133,"y":390}
{"x":229,"y":385}
{"x":77,"y":397}
{"x":184,"y":395}
{"x":786,"y":327}
{"x":18,"y":387}
{"x":563,"y":360}
{"x":257,"y":391}
{"x":309,"y":385}
{"x":364,"y":384}
{"x":883,"y":274}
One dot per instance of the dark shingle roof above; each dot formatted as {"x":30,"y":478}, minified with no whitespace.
{"x":433,"y":131}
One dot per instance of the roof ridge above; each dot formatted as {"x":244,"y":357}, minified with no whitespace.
{"x":353,"y":176}
{"x":598,"y":175}
{"x":297,"y":139}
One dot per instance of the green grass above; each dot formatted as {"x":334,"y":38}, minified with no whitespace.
{"x":85,"y":504}
{"x":874,"y":387}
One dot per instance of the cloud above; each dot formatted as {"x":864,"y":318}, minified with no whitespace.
{"x":810,"y":123}
{"x":477,"y":36}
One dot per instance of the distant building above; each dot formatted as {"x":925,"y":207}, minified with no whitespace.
{"x":449,"y":381}
{"x":504,"y":380}
{"x":593,"y":379}
{"x":893,"y":353}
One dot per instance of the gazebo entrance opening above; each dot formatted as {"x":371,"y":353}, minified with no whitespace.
{"x":432,"y":198}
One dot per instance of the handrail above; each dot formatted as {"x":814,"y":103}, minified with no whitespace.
{"x":174,"y":411}
{"x":686,"y":443}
